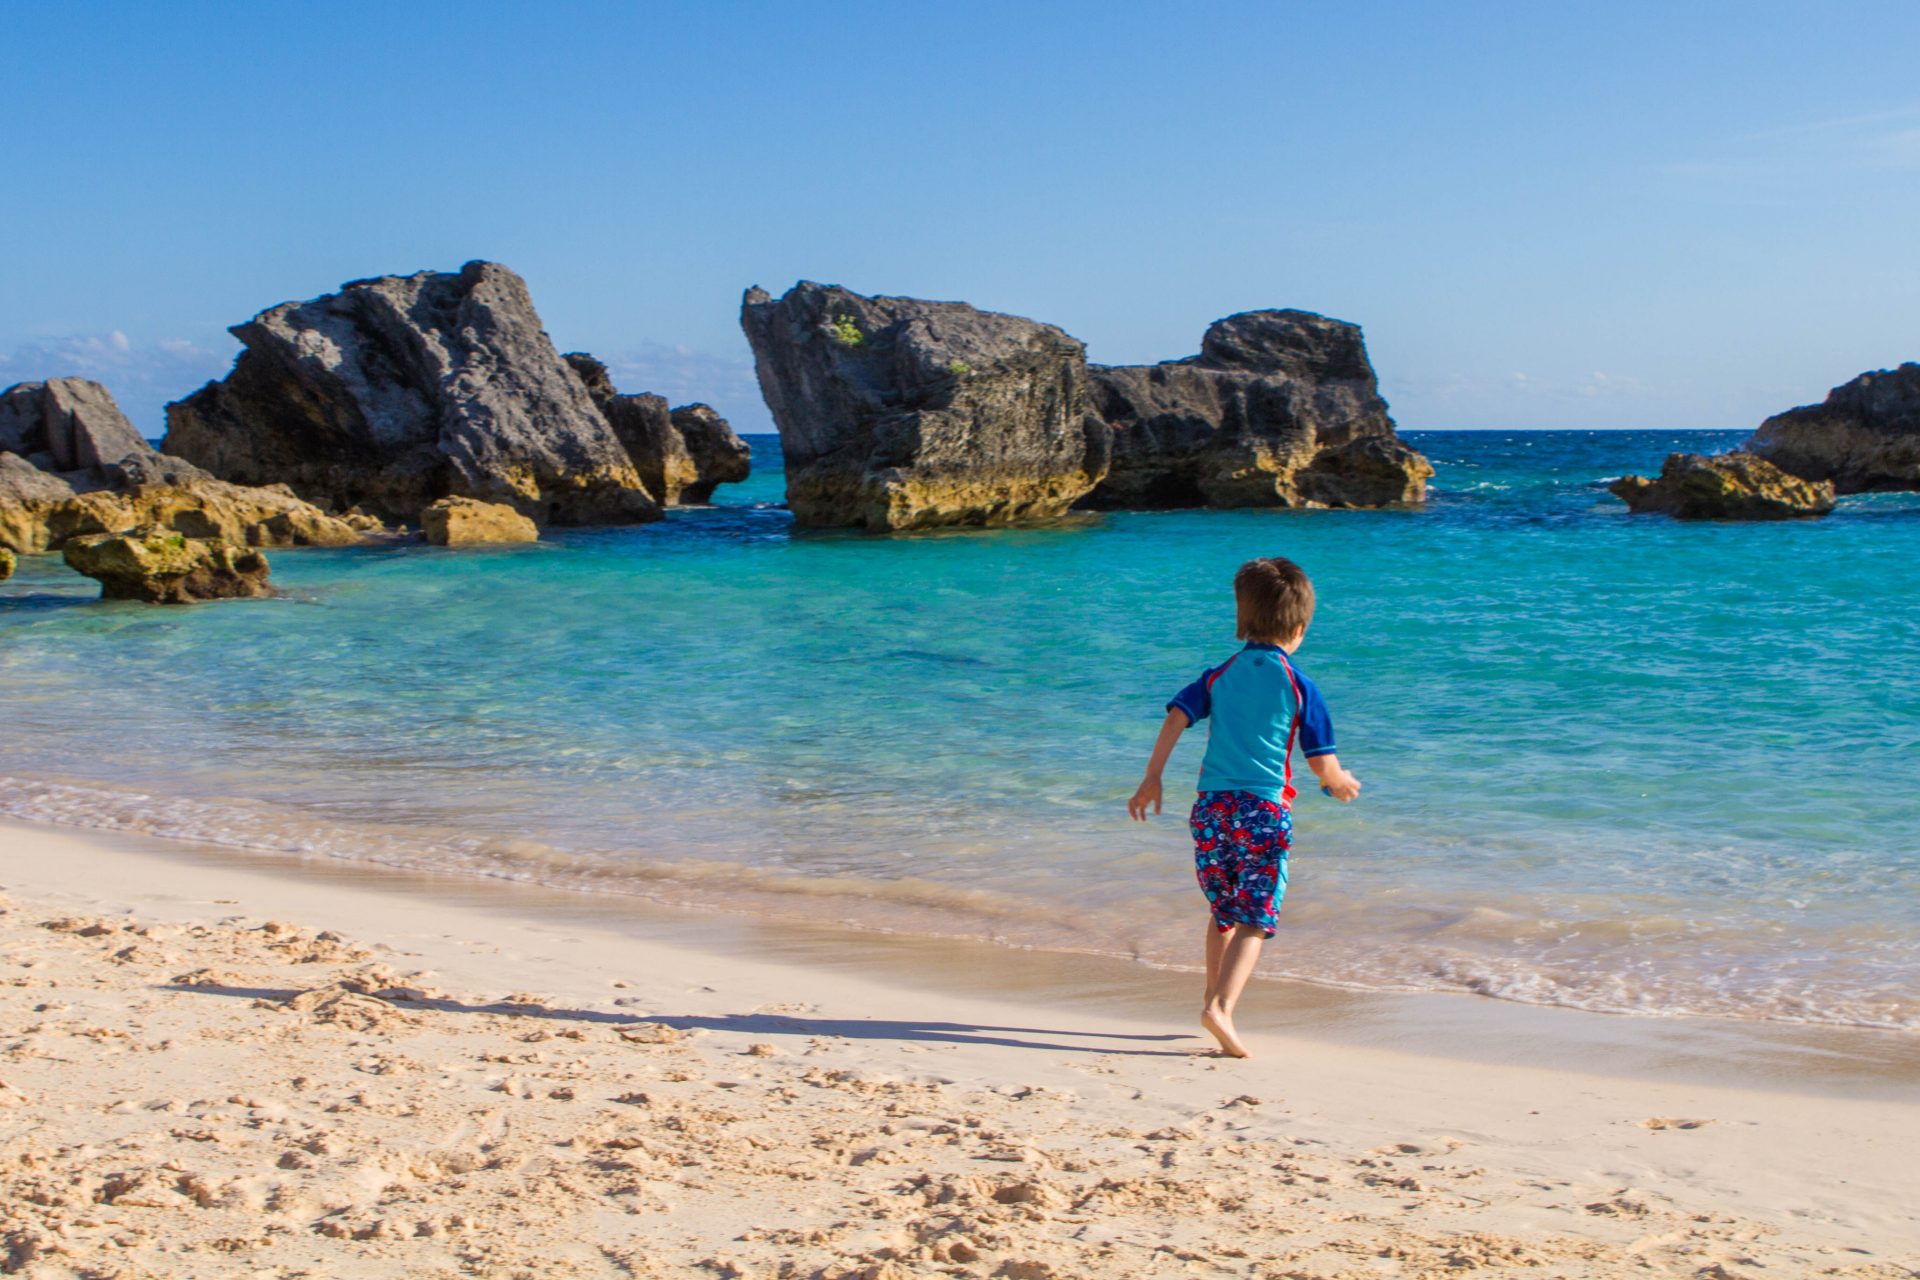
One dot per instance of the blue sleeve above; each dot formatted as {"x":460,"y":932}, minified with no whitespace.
{"x":1316,"y":726}
{"x":1195,"y":699}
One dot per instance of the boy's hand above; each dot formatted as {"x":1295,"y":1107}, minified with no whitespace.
{"x":1148,"y":794}
{"x":1343,"y":787}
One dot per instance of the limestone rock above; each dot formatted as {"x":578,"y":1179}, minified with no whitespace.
{"x":462,"y":522}
{"x":898,"y":413}
{"x":683,"y":453}
{"x":67,"y":424}
{"x":719,"y":455}
{"x":75,"y":465}
{"x":158,"y":565}
{"x":1864,"y":437}
{"x":1729,"y":486}
{"x":399,"y":390}
{"x":7,"y":563}
{"x":1280,"y":408}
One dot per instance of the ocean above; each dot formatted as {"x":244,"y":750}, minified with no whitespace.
{"x":1612,"y":762}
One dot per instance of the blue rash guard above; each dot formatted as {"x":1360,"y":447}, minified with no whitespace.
{"x":1258,"y":703}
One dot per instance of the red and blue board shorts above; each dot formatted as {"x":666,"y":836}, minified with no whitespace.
{"x":1240,"y":845}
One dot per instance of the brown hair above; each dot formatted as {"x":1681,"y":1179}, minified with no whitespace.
{"x":1274,"y":598}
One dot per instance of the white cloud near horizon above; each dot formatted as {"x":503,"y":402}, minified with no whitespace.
{"x":143,"y":376}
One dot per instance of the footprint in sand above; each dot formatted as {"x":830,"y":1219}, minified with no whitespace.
{"x":1668,"y":1122}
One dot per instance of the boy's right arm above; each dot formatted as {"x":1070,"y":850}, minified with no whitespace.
{"x":1149,"y":791}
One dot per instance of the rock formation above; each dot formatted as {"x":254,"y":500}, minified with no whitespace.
{"x":7,"y":563}
{"x":719,"y":455}
{"x":464,"y":522}
{"x":1280,"y":408}
{"x":400,"y":390}
{"x":159,"y":565}
{"x":1865,"y":437}
{"x":896,"y":413}
{"x":682,"y":453}
{"x":1729,"y":486}
{"x":71,"y":463}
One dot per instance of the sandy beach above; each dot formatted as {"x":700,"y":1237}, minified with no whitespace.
{"x":217,"y":1065}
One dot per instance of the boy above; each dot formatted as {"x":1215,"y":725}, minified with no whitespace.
{"x":1243,"y":822}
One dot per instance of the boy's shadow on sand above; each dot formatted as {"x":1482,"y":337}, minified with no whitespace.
{"x":760,"y":1024}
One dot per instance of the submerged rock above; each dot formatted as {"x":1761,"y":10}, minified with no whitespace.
{"x":400,"y":390}
{"x":681,"y":454}
{"x":1729,"y":486}
{"x":158,"y":565}
{"x":463,"y":522}
{"x":1280,"y":408}
{"x":1864,"y":437}
{"x":72,"y":464}
{"x":898,"y":413}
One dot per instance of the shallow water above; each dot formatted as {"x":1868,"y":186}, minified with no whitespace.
{"x":1623,"y":763}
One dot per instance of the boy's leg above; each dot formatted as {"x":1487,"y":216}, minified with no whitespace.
{"x":1239,"y":953}
{"x":1216,"y":948}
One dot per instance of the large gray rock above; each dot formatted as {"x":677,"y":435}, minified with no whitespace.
{"x":1727,"y":486}
{"x":67,"y":424}
{"x":898,"y":413}
{"x":400,"y":390}
{"x":72,"y":464}
{"x":1280,"y":408}
{"x":1864,"y":437}
{"x":681,"y":454}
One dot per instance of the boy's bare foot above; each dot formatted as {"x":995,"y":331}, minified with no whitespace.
{"x":1220,"y":1027}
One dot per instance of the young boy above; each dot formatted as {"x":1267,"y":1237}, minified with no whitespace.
{"x":1243,"y":822}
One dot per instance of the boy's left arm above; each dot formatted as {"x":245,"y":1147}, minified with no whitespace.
{"x":1316,"y":739}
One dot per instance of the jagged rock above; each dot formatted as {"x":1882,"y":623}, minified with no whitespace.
{"x":75,"y":465}
{"x":158,"y":565}
{"x":1865,"y":437}
{"x":681,"y":453}
{"x":462,"y":522}
{"x":400,"y":390}
{"x":7,"y":563}
{"x":897,"y":413}
{"x":719,"y":455}
{"x":1729,"y":486}
{"x":1280,"y":408}
{"x":68,"y":424}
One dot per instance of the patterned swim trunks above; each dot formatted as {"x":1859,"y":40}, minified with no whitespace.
{"x":1240,"y":845}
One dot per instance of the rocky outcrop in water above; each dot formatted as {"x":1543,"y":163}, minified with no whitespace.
{"x":400,"y":390}
{"x":1728,"y":486}
{"x":464,"y":522}
{"x":1280,"y":408}
{"x":897,"y":413}
{"x":161,"y":566}
{"x":719,"y":455}
{"x":7,"y":563}
{"x":71,"y":463}
{"x":1865,"y":437}
{"x":681,"y":454}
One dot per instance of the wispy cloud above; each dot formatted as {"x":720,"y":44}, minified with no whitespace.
{"x":1876,"y":141}
{"x":143,"y":376}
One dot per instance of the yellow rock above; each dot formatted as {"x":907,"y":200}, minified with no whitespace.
{"x":461,"y":522}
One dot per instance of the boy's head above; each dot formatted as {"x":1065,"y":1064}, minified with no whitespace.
{"x":1274,"y":599}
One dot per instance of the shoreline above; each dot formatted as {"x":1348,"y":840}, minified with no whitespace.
{"x":473,"y":1079}
{"x":1816,"y":1059}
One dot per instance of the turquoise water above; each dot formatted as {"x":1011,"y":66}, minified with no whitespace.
{"x":1622,"y":763}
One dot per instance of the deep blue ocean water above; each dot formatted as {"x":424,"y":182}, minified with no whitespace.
{"x":1618,"y":762}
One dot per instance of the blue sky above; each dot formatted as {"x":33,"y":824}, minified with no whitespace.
{"x":1554,"y":215}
